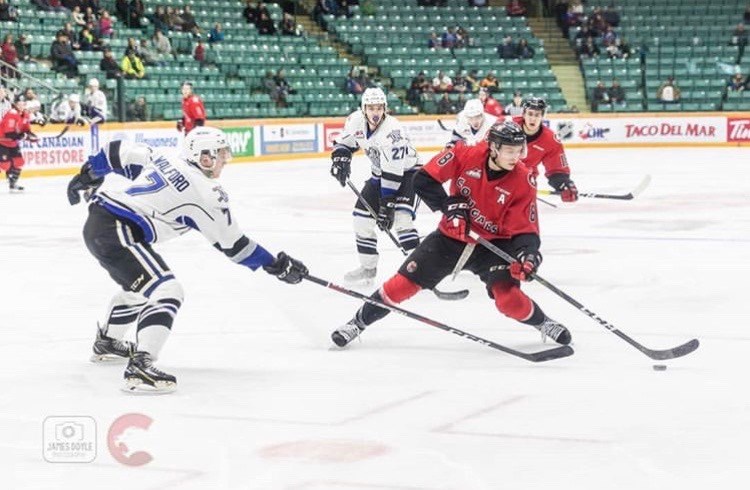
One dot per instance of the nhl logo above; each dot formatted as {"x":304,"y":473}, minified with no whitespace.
{"x":474,"y":173}
{"x":565,"y":130}
{"x":411,"y":267}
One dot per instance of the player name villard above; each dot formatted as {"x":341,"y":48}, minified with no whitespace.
{"x":172,"y":174}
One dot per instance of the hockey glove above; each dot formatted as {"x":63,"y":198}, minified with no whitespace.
{"x":457,"y":212}
{"x":565,"y":186}
{"x":180,"y":125}
{"x":526,"y":266}
{"x":286,"y":269}
{"x":341,"y":164}
{"x":386,"y":212}
{"x":84,"y":181}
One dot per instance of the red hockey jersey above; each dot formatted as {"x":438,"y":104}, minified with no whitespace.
{"x":500,"y":208}
{"x":13,"y":126}
{"x":544,"y":148}
{"x":192,"y":109}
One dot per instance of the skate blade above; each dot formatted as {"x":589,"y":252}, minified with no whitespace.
{"x":136,"y":386}
{"x":107,"y":358}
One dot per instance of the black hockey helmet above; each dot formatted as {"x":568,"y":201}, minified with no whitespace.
{"x":536,"y":103}
{"x":506,"y":133}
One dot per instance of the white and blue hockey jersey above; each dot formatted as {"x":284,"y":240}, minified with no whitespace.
{"x":167,"y":196}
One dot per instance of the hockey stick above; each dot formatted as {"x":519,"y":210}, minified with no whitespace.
{"x":623,"y":197}
{"x":64,"y":130}
{"x":448,"y":296}
{"x":545,"y":355}
{"x":443,"y":126}
{"x":660,"y":355}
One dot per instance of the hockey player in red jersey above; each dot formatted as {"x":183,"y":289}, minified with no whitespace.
{"x":14,"y":126}
{"x":193,"y":112}
{"x":493,"y":194}
{"x":544,"y":147}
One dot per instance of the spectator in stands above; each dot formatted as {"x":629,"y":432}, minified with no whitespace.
{"x":132,"y":66}
{"x":173,"y":19}
{"x":491,"y":105}
{"x":616,"y":93}
{"x":596,"y":22}
{"x":515,"y":108}
{"x":668,"y":92}
{"x":589,"y":49}
{"x":106,"y":25}
{"x":61,"y":53}
{"x":515,"y":8}
{"x":269,"y":86}
{"x":434,"y":42}
{"x":321,"y":8}
{"x":507,"y":50}
{"x":68,"y":30}
{"x":523,"y":50}
{"x":199,"y":53}
{"x":599,"y":96}
{"x":216,"y":34}
{"x":448,"y":38}
{"x":138,"y":110}
{"x":463,"y":40}
{"x":477,"y":3}
{"x":460,"y":84}
{"x":23,"y":48}
{"x":609,"y":35}
{"x":739,"y":38}
{"x":737,"y":83}
{"x":473,"y":80}
{"x":162,"y":45}
{"x":442,"y":83}
{"x":9,"y":56}
{"x":121,"y":10}
{"x":489,"y":83}
{"x":148,"y":55}
{"x":265,"y":25}
{"x":8,"y":13}
{"x":283,"y":87}
{"x":159,"y":19}
{"x":89,"y":15}
{"x":746,"y":15}
{"x":135,"y":13}
{"x":109,"y":65}
{"x":611,"y":16}
{"x":352,"y":85}
{"x":34,"y":107}
{"x":417,"y":87}
{"x":445,"y":105}
{"x":76,"y":16}
{"x":87,"y":41}
{"x":287,"y":25}
{"x":582,"y":35}
{"x":188,"y":22}
{"x":50,"y":5}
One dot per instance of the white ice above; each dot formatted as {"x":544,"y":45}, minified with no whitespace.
{"x":264,"y":404}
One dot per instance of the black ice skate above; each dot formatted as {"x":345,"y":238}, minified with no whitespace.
{"x":109,"y":349}
{"x":142,"y":377}
{"x":554,"y":330}
{"x":342,"y":336}
{"x":14,"y":186}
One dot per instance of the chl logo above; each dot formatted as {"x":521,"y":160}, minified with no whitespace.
{"x":136,"y":284}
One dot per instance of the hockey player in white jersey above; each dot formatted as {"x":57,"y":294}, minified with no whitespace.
{"x":472,"y":124}
{"x":140,"y":198}
{"x":389,"y":190}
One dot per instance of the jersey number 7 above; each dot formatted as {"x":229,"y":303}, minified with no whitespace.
{"x":156,"y":183}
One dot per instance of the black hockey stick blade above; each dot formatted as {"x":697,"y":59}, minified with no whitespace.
{"x":64,"y":130}
{"x":541,"y":356}
{"x":451,"y":295}
{"x":622,"y":197}
{"x":675,"y":352}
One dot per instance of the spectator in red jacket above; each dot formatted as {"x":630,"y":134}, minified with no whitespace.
{"x":491,"y":105}
{"x":10,"y":56}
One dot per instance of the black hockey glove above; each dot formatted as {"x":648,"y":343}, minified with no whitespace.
{"x":563,"y":184}
{"x":457,"y":212}
{"x":386,"y":212}
{"x":341,"y":164}
{"x":526,"y":265}
{"x":287,"y":269}
{"x":84,"y":181}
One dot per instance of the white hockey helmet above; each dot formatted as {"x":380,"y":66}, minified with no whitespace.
{"x":374,"y":95}
{"x":473,"y":108}
{"x":205,"y":140}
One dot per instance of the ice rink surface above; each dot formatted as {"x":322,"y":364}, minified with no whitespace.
{"x":263,"y":403}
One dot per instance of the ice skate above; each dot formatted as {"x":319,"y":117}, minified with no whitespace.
{"x":342,"y":336}
{"x":107,"y":349}
{"x":15,"y":187}
{"x":554,"y":330}
{"x":142,"y":377}
{"x":361,"y":276}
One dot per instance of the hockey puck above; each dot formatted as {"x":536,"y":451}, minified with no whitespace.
{"x":660,"y":367}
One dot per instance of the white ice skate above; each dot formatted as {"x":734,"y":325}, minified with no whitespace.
{"x":361,"y":276}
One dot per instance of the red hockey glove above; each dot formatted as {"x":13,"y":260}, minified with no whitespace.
{"x":569,"y":192}
{"x":458,"y":213}
{"x":526,"y":266}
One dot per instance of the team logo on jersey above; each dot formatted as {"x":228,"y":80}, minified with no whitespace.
{"x":395,"y":136}
{"x":223,"y":196}
{"x":373,"y":154}
{"x":411,"y":267}
{"x":359,"y":134}
{"x":474,"y":173}
{"x":532,"y":180}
